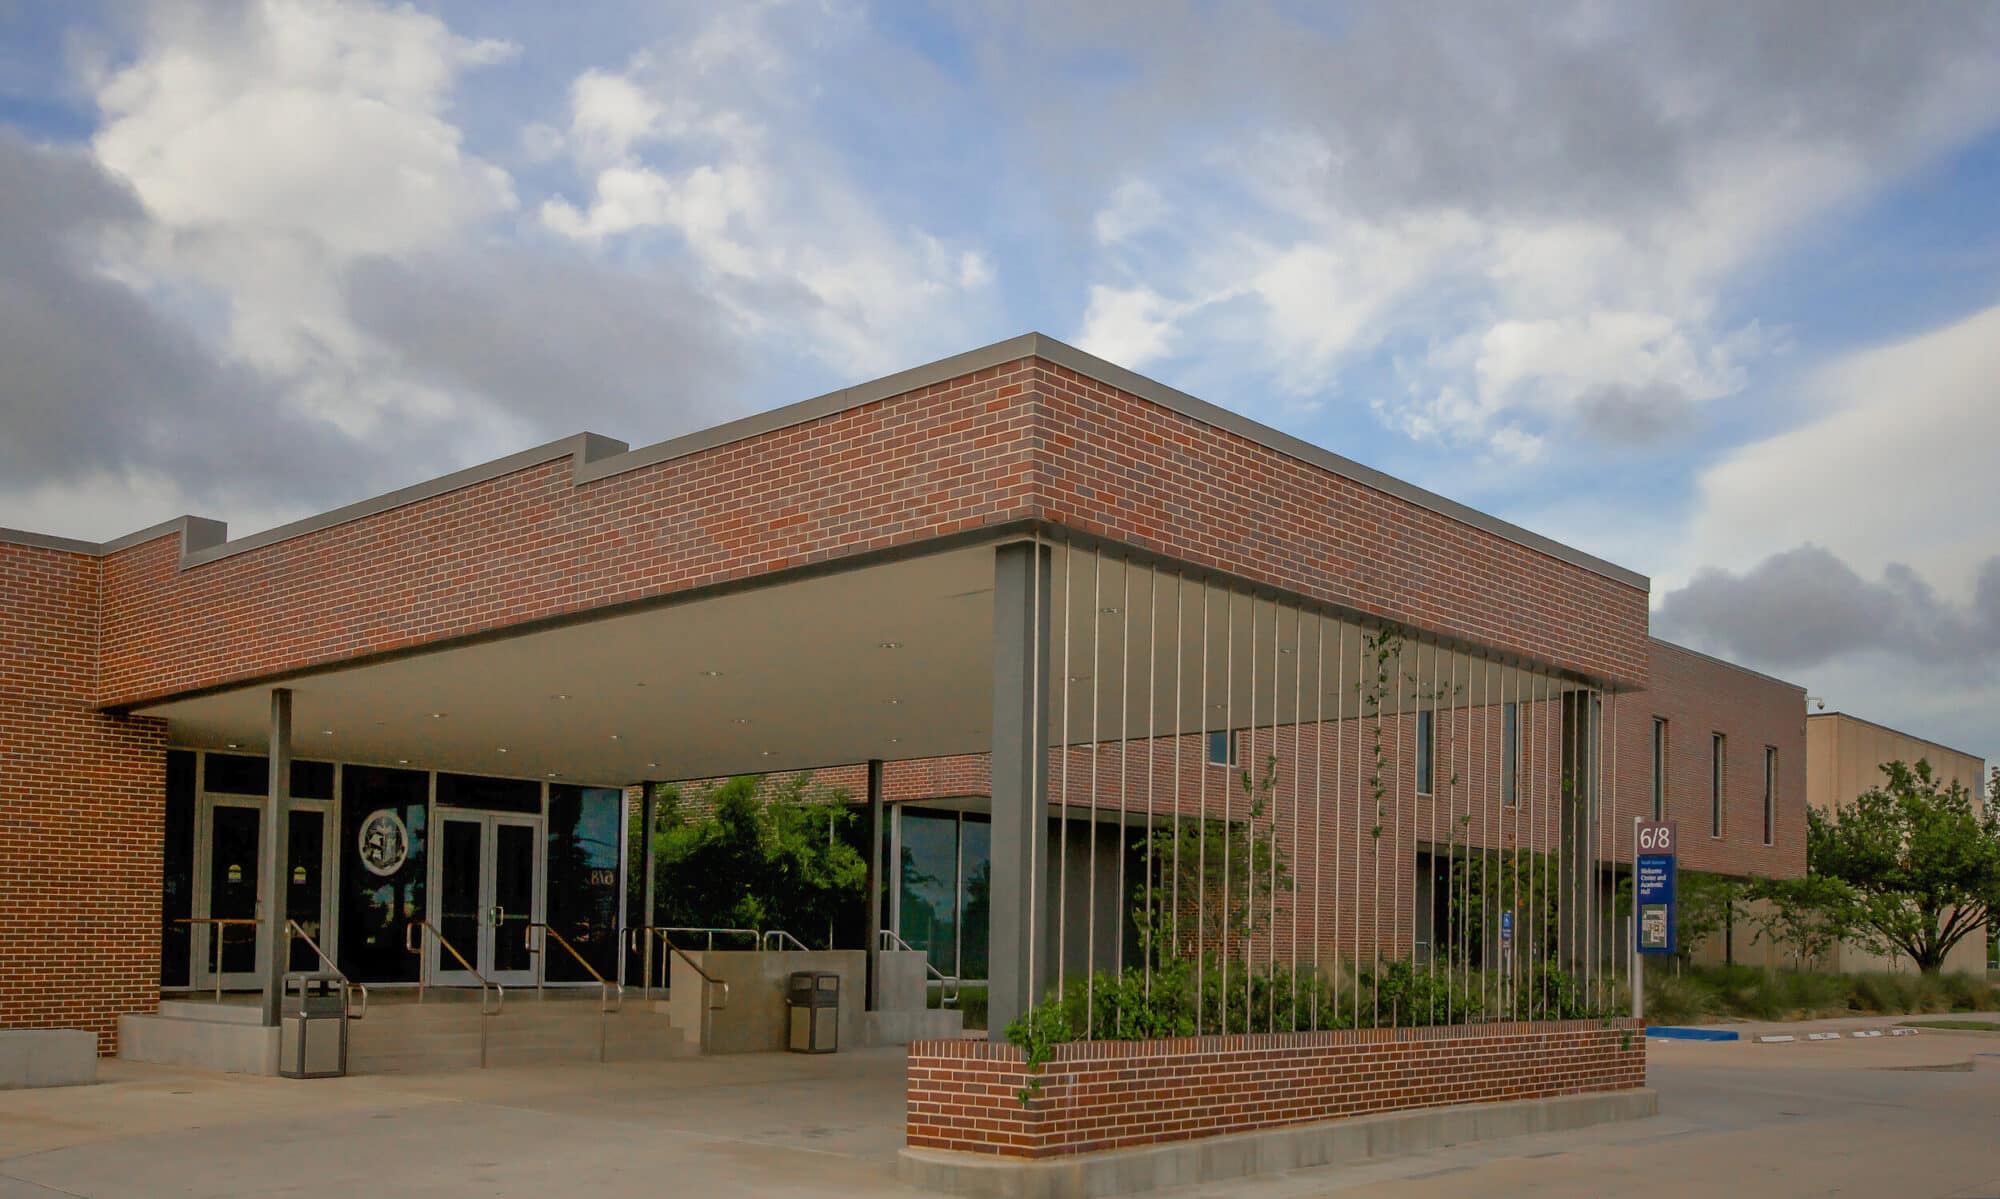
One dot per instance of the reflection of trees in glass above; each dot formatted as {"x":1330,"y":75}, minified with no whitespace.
{"x":761,"y":857}
{"x":978,"y":909}
{"x":583,"y":878}
{"x":930,"y":886}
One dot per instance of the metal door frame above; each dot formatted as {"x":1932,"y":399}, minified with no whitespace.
{"x":201,"y":975}
{"x":441,"y":968}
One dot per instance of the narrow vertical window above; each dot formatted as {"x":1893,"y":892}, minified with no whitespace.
{"x":1659,"y":769}
{"x":1426,"y":758}
{"x":1715,"y":784}
{"x":1510,"y":752}
{"x":1770,"y":794}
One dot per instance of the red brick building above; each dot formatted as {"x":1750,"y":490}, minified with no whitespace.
{"x":443,"y":689}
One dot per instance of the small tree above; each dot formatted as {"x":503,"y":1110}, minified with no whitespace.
{"x":1185,"y":860}
{"x":1807,"y":914}
{"x":1918,"y":863}
{"x":1708,"y":904}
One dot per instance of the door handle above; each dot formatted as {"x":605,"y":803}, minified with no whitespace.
{"x":499,"y":915}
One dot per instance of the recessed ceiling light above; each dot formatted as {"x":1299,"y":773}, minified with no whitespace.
{"x":402,"y":761}
{"x":558,"y":697}
{"x":1286,"y":649}
{"x":710,"y":674}
{"x":894,"y":740}
{"x":741,"y":720}
{"x":614,"y":736}
{"x":552,"y":774}
{"x":767,"y":753}
{"x":326,"y":732}
{"x":437,"y":715}
{"x":233,"y":745}
{"x":652,"y":765}
{"x":503,"y":749}
{"x":892,"y":700}
{"x":1079,"y":678}
{"x":1108,"y":611}
{"x":889,"y":644}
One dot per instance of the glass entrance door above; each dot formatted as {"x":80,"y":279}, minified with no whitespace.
{"x":228,"y":850}
{"x":488,"y":889}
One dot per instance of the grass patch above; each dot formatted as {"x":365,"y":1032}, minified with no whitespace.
{"x":1954,"y":1025}
{"x":1746,"y":993}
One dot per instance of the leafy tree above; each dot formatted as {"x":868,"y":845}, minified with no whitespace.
{"x":1917,"y":863}
{"x":764,"y":855}
{"x":1185,"y":859}
{"x":1807,"y":914}
{"x":1707,"y":904}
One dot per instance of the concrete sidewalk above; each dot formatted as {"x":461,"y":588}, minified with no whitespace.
{"x":1909,"y":1116}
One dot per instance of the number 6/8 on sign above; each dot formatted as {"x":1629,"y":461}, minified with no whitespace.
{"x":1653,"y":891}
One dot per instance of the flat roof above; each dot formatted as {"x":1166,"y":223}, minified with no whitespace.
{"x":597,"y":457}
{"x":1876,"y":724}
{"x":1737,"y":666}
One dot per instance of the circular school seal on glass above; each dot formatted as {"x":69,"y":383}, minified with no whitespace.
{"x":384,"y":842}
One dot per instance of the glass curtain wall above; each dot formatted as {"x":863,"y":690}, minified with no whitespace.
{"x":943,"y":896}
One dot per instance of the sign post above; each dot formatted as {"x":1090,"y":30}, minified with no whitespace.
{"x":1654,"y":908}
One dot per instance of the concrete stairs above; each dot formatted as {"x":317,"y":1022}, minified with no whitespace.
{"x":400,"y":1035}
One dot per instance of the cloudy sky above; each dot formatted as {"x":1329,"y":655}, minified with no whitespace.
{"x":1711,"y":290}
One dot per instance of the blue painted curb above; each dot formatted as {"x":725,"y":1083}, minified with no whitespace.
{"x":1668,"y":1032}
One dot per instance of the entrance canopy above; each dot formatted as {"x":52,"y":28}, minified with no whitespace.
{"x":890,"y":660}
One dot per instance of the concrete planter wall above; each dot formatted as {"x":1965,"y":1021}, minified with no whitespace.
{"x":1099,"y":1095}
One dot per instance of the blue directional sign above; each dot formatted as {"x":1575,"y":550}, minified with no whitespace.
{"x":1653,"y":894}
{"x":1506,"y":928}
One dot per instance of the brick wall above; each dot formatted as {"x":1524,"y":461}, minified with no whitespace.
{"x":82,"y":803}
{"x":964,"y":1095}
{"x":1124,"y":468}
{"x":1024,"y":440}
{"x":1698,"y":697}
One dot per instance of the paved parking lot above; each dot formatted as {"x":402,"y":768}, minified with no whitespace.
{"x":1910,"y":1117}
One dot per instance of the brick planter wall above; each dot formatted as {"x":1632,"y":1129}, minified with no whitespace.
{"x":964,"y":1095}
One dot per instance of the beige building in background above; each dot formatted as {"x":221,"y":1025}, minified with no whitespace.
{"x":1844,"y":757}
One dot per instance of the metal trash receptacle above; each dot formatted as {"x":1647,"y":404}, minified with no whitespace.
{"x":312,"y":1026}
{"x":814,"y":1002}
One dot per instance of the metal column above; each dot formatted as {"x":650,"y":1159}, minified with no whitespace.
{"x":875,"y":827}
{"x":1020,"y":776}
{"x":271,"y":880}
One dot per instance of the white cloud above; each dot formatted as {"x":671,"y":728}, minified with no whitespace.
{"x":1541,"y":220}
{"x":1894,"y":465}
{"x":272,"y":152}
{"x":708,"y":141}
{"x":1130,"y":326}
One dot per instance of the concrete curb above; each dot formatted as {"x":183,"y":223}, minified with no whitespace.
{"x":1270,"y":1151}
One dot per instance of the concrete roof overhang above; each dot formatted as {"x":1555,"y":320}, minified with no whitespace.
{"x":890,"y":659}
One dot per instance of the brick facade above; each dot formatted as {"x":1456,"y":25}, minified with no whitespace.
{"x":1698,"y":697}
{"x":82,"y":802}
{"x":965,"y":1095}
{"x":1026,"y":440}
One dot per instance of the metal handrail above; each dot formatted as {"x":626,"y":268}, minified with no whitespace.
{"x":756,"y":937}
{"x":604,"y":985}
{"x":348,"y":986}
{"x":222,"y":926}
{"x":947,"y":984}
{"x":633,"y":942}
{"x":775,"y":938}
{"x":486,"y":985}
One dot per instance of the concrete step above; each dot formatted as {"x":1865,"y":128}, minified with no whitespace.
{"x":410,"y":1037}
